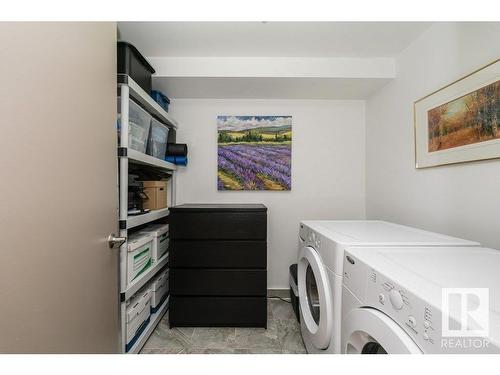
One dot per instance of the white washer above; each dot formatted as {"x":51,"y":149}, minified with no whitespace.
{"x":320,"y":270}
{"x":393,"y":300}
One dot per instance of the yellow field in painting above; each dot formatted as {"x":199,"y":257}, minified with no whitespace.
{"x":229,"y":181}
{"x":232,"y":184}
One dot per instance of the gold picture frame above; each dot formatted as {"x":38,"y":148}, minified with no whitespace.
{"x":460,"y":122}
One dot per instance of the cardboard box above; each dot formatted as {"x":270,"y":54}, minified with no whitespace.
{"x":159,"y":291}
{"x":161,"y":240}
{"x":139,"y":256}
{"x":138,"y":312}
{"x":157,"y":194}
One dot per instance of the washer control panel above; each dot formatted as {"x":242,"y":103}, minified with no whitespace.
{"x":311,"y":238}
{"x":421,"y":322}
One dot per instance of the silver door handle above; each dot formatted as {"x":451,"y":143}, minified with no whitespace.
{"x":115,"y":241}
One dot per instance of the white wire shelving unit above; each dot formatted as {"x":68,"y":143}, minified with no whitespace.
{"x":127,"y":89}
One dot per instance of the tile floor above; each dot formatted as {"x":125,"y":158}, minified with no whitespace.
{"x":281,"y":337}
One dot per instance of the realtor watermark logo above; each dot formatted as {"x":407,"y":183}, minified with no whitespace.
{"x":465,"y":319}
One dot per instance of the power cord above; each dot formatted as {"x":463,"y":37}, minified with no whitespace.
{"x":282,"y":299}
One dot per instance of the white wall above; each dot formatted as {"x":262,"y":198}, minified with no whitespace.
{"x":328,"y":166}
{"x":461,"y":200}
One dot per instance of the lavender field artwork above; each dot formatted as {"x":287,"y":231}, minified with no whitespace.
{"x":254,"y":152}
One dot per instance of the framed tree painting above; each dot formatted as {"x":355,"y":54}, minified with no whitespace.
{"x":460,"y":122}
{"x":254,"y":153}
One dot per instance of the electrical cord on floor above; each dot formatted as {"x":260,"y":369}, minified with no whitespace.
{"x":282,"y":299}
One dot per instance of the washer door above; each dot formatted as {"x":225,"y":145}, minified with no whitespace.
{"x":315,"y":297}
{"x":369,"y":331}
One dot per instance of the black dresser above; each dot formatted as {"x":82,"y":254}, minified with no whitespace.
{"x":218,"y":265}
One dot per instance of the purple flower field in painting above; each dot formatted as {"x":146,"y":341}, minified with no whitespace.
{"x":255,"y":166}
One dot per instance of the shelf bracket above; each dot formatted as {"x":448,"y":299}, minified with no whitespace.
{"x":122,"y":151}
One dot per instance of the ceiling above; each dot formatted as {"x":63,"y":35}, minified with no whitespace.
{"x":279,"y":60}
{"x":271,"y":39}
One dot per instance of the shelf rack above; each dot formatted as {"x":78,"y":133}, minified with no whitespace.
{"x":145,"y":100}
{"x":128,"y":88}
{"x":135,"y":221}
{"x":139,"y":158}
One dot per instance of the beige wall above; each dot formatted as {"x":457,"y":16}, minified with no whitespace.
{"x":58,"y":201}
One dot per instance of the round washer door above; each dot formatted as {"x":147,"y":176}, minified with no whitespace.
{"x":315,"y":297}
{"x":369,"y":331}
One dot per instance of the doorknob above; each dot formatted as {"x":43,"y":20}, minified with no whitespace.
{"x":115,"y":241}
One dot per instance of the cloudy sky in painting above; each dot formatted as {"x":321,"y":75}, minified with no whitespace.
{"x":236,"y":123}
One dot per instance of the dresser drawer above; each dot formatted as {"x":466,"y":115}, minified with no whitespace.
{"x":218,"y":254}
{"x":215,"y":225}
{"x":218,"y":311}
{"x":217,"y":282}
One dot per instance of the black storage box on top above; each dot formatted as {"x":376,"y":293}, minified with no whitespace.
{"x":131,"y":62}
{"x":218,"y":265}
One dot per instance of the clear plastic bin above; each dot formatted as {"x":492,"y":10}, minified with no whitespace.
{"x":139,"y":123}
{"x":157,"y":143}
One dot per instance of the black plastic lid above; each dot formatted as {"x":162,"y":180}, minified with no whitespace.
{"x":213,"y":207}
{"x":137,"y":54}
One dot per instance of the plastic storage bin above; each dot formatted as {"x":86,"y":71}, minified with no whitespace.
{"x":138,"y":313}
{"x":157,"y":141}
{"x":139,"y":124}
{"x":139,"y":255}
{"x":159,"y":291}
{"x":161,"y":99}
{"x":131,"y":62}
{"x":161,"y":240}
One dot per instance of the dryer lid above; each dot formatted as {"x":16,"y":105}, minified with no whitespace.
{"x":382,"y":233}
{"x":425,"y":269}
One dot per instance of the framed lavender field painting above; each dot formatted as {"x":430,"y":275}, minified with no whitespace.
{"x":254,"y":152}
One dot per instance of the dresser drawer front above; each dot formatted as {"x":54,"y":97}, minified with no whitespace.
{"x":219,"y":282}
{"x":218,"y":311}
{"x":218,"y":254}
{"x":218,"y":225}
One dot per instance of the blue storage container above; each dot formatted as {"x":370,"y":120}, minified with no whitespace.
{"x":161,"y":99}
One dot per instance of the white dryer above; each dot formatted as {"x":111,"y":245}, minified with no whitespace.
{"x":421,"y":300}
{"x":320,"y":270}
